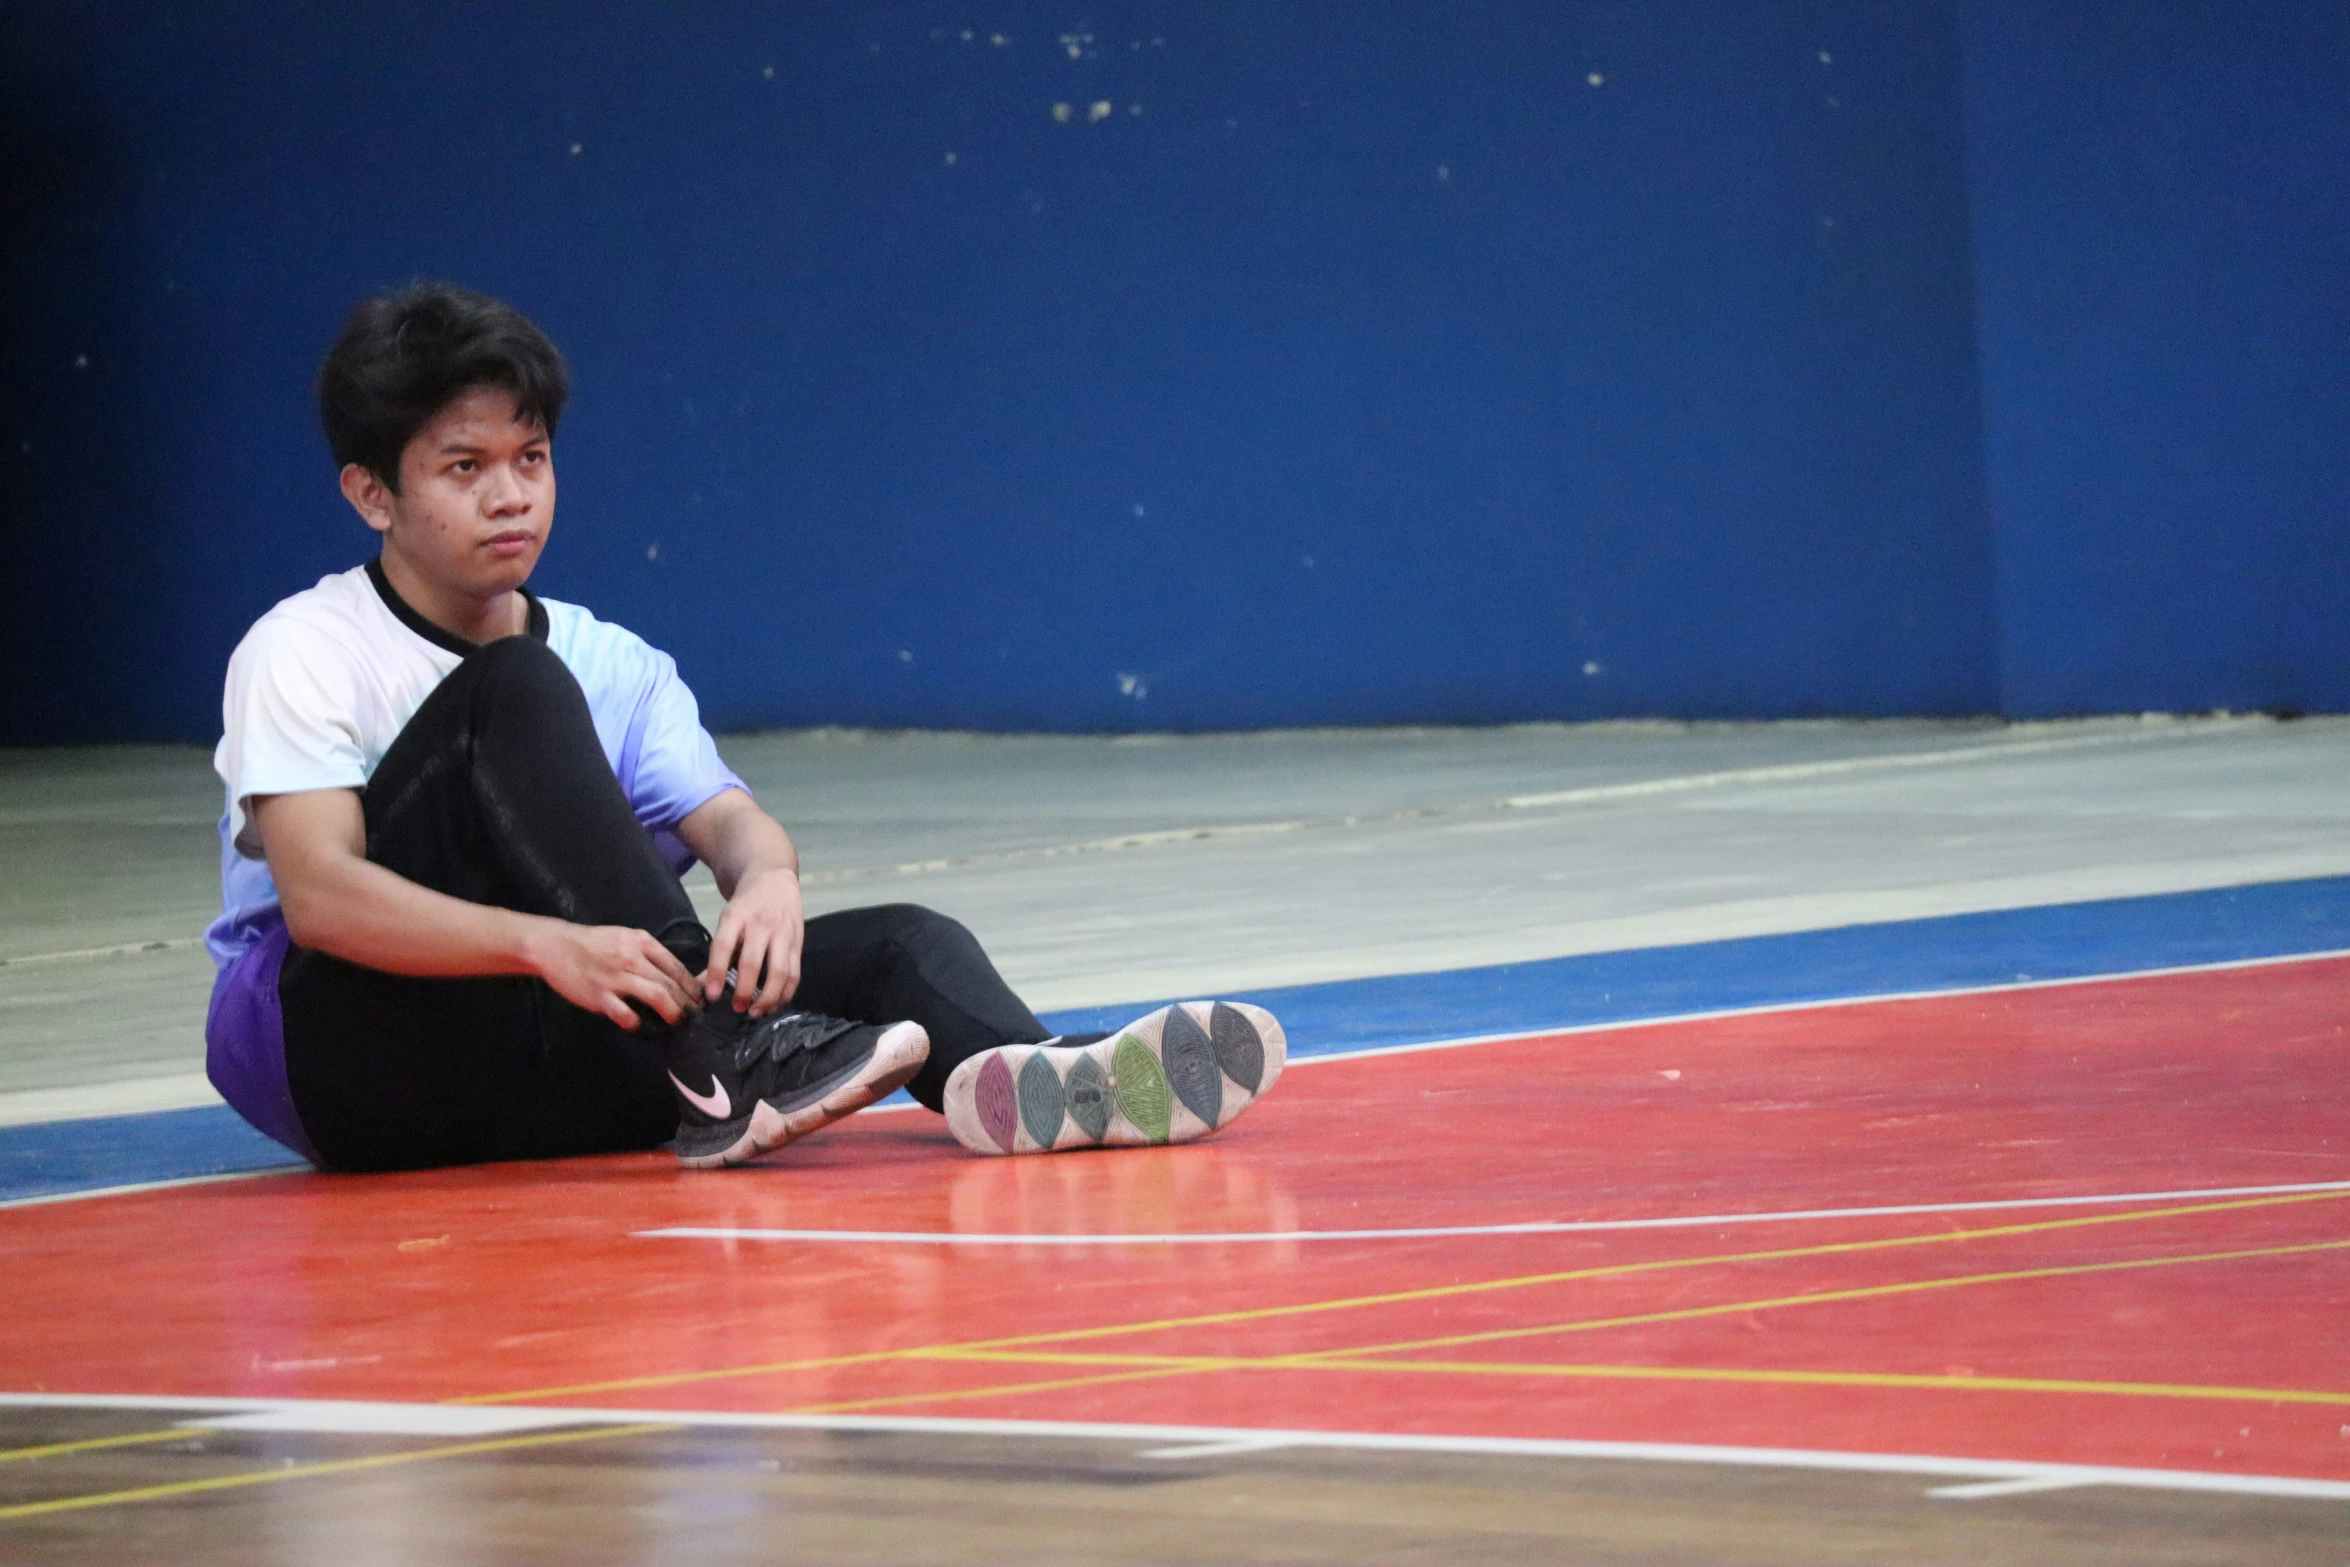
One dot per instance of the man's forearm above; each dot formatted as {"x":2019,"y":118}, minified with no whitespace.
{"x":747,"y":842}
{"x":359,"y":911}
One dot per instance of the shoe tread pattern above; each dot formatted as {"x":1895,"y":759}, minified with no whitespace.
{"x":1141,"y":1088}
{"x":1088,"y":1094}
{"x":1240,"y":1050}
{"x":994,"y":1100}
{"x":1042,"y":1101}
{"x":1190,"y":1060}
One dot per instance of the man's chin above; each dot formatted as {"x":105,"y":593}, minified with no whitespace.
{"x":504,"y":576}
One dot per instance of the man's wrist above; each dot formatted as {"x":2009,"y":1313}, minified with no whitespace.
{"x":528,"y":942}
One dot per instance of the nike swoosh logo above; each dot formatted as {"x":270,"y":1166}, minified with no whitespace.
{"x":714,"y":1104}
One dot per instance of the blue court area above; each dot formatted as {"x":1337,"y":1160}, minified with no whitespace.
{"x":1958,"y":952}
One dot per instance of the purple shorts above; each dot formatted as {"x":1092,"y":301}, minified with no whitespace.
{"x":245,"y":1042}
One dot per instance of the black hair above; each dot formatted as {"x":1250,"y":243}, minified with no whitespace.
{"x":403,"y":356}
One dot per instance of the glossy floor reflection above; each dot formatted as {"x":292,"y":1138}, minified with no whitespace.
{"x":2083,"y":1239}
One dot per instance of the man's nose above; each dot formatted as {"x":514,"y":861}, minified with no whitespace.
{"x":505,"y":492}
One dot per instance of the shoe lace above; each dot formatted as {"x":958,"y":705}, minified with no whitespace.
{"x":777,"y":1039}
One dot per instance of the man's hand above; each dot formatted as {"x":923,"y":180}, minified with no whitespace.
{"x":759,"y":938}
{"x":759,"y":872}
{"x":602,"y":968}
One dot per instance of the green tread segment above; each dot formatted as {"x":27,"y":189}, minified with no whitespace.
{"x":1143,"y":1096}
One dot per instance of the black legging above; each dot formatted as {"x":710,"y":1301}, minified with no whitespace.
{"x":497,"y":792}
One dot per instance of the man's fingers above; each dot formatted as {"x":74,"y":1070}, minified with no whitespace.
{"x":656,"y":991}
{"x":750,"y":984}
{"x":722,"y":948}
{"x":783,"y":977}
{"x":680,"y":984}
{"x":668,"y":963}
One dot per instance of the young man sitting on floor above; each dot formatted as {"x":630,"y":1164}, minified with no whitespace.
{"x":453,"y":929}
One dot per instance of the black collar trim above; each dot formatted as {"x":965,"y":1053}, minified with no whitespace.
{"x":534,"y":620}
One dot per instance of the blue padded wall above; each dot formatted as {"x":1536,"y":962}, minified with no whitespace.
{"x":1359,"y":363}
{"x":1381,"y":367}
{"x":2162,"y":250}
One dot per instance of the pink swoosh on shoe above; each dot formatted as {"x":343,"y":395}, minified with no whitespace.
{"x":715,"y":1104}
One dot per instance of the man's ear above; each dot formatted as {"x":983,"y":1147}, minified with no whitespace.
{"x":369,"y":496}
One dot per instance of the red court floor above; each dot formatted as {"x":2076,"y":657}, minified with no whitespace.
{"x":2195,"y":1332}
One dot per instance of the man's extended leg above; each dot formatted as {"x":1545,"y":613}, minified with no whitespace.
{"x":1178,"y":1073}
{"x":900,"y":960}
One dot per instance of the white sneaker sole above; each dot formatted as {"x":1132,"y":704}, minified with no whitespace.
{"x":897,"y":1055}
{"x":1171,"y":1077}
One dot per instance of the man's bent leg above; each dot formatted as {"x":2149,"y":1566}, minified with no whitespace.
{"x":498,"y":792}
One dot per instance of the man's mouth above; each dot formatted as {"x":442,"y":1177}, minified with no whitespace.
{"x":511,"y":543}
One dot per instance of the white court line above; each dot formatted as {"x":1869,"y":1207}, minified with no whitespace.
{"x":350,"y":1417}
{"x":1453,"y":1044}
{"x":2152,"y":728}
{"x":125,"y":949}
{"x":1956,"y":1468}
{"x":1760,"y":1009}
{"x":1561,"y":1227}
{"x":1787,"y":772}
{"x":1977,"y":1490}
{"x":137,"y":1096}
{"x":1767,"y":1008}
{"x":133,"y":1188}
{"x":93,"y":1101}
{"x":1252,"y":1444}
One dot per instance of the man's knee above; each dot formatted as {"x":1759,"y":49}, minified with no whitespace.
{"x":518,"y":664}
{"x":516,"y":678}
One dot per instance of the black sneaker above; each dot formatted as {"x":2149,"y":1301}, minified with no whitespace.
{"x":772,"y":1079}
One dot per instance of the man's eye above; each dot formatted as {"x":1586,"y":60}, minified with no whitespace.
{"x":466,"y":465}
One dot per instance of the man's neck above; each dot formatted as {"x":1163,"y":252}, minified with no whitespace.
{"x":502,"y":614}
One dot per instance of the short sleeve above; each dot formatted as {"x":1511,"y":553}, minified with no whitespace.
{"x":669,"y":765}
{"x":286,"y":720}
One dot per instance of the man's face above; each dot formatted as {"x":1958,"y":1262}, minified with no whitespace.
{"x":477,"y":496}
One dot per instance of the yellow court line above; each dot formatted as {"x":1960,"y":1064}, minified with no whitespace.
{"x":1883,"y":1379}
{"x":1143,"y":1368}
{"x":146,"y":1493}
{"x":1394,"y":1297}
{"x":1179,"y":1364}
{"x":1822,"y":1297}
{"x":92,"y":1444}
{"x":1355,"y":1358}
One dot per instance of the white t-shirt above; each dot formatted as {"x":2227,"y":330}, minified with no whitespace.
{"x":323,"y":684}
